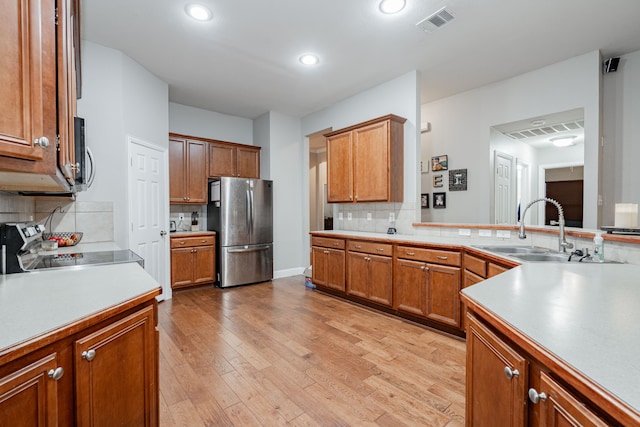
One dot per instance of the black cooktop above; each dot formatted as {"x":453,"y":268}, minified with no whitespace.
{"x":85,"y":259}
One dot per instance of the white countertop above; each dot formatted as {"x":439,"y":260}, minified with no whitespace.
{"x":586,"y":315}
{"x":34,"y":303}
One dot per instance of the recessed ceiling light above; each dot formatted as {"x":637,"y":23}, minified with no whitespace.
{"x":392,"y":6}
{"x":538,"y":122}
{"x":563,"y":141}
{"x":198,"y":12}
{"x":309,"y":59}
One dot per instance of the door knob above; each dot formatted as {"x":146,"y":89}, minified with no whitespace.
{"x":163,"y":233}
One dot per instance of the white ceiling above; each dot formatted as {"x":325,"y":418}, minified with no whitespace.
{"x":244,"y":62}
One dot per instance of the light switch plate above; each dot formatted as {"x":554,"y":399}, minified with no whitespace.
{"x":484,"y":233}
{"x":180,"y":216}
{"x":503,"y":234}
{"x":340,"y":216}
{"x":464,"y":232}
{"x":349,"y":216}
{"x":392,"y":217}
{"x":368,"y":216}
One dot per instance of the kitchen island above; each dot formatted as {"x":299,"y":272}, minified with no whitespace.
{"x":77,"y":343}
{"x":572,"y":324}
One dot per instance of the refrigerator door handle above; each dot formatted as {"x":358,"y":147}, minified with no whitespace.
{"x":250,"y":249}
{"x":251,"y":212}
{"x":248,"y":214}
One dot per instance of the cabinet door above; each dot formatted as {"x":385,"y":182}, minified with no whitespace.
{"x":410,"y":286}
{"x":116,"y":373}
{"x":561,"y":408}
{"x":339,"y":168}
{"x":181,"y":267}
{"x":495,"y":269}
{"x":204,"y":258}
{"x":443,"y":300}
{"x":319,"y":262}
{"x":497,"y":379}
{"x":371,"y":163}
{"x":27,"y":78}
{"x":335,"y":269}
{"x":358,"y":274}
{"x":248,"y":162}
{"x":177,"y":170}
{"x":381,"y":280}
{"x":197,"y":172}
{"x":29,"y":397}
{"x":222,"y":160}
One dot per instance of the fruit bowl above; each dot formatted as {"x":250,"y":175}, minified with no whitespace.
{"x":64,"y":238}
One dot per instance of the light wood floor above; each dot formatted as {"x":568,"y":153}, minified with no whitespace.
{"x":278,"y":353}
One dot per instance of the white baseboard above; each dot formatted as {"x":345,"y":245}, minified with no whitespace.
{"x":288,"y":272}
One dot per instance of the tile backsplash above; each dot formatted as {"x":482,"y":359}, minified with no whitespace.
{"x":93,"y":219}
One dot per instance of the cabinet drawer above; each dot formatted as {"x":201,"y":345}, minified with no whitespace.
{"x":475,"y":265}
{"x":370,"y":247}
{"x":327,"y":242}
{"x":189,"y":242}
{"x":429,"y":255}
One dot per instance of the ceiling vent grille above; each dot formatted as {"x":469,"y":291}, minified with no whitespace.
{"x":547,"y":130}
{"x":436,"y":20}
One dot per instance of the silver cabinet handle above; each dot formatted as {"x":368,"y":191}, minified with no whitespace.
{"x":424,"y":268}
{"x":442,"y":257}
{"x":42,"y":142}
{"x":358,"y":247}
{"x":56,"y":374}
{"x":325,"y":252}
{"x":380,"y":249}
{"x":203,"y":241}
{"x":89,"y":355}
{"x":410,"y":253}
{"x":535,"y":397}
{"x":511,"y":373}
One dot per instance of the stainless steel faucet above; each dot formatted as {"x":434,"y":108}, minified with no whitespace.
{"x":562,"y":241}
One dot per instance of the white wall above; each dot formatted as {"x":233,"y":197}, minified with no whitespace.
{"x":460,"y":128}
{"x":621,"y":133}
{"x":119,"y":98}
{"x":192,"y":121}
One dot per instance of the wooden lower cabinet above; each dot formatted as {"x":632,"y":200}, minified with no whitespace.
{"x":193,"y":260}
{"x":328,"y":261}
{"x":370,"y":277}
{"x":507,"y":387}
{"x":103,"y":374}
{"x":29,"y":395}
{"x":116,"y":367}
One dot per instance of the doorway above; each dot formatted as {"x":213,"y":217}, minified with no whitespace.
{"x":320,"y":212}
{"x":566,"y":186}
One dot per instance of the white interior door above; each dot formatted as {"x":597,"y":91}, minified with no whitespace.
{"x":148,"y":209}
{"x":504,"y":189}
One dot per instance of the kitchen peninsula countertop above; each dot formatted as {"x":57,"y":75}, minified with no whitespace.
{"x":585,"y":315}
{"x":36,"y":304}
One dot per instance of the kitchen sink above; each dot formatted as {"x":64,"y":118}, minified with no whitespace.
{"x":513,"y":249}
{"x":540,"y":257}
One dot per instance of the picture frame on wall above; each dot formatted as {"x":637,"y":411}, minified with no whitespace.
{"x":424,"y":200}
{"x":440,"y":163}
{"x":439,"y":200}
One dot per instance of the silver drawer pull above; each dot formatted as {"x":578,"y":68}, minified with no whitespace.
{"x":509,"y":373}
{"x":358,"y":247}
{"x":88,"y":355}
{"x":182,"y":243}
{"x":336,"y":244}
{"x":424,"y":268}
{"x":411,"y":253}
{"x":203,"y":241}
{"x":56,"y":374}
{"x":442,"y":257}
{"x":535,"y":397}
{"x":380,"y":249}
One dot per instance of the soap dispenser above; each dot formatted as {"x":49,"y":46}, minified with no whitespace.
{"x":598,"y":250}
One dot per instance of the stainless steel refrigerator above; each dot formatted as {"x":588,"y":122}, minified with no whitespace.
{"x":240,"y":211}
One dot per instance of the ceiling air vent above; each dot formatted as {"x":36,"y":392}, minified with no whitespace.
{"x":435,"y":20}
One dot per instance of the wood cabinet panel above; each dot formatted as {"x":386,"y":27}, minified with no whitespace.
{"x":374,"y":248}
{"x":222,"y":160}
{"x":339,"y":168}
{"x":248,"y":162}
{"x":381,"y":279}
{"x":443,"y":301}
{"x":560,"y":408}
{"x":29,"y":397}
{"x":205,"y":268}
{"x":495,"y":269}
{"x":409,"y":283}
{"x":235,"y":160}
{"x":120,"y":373}
{"x":190,"y":242}
{"x":371,"y":160}
{"x":187,"y":171}
{"x":435,"y":256}
{"x":476,"y":265}
{"x":193,"y":260}
{"x":328,"y":242}
{"x":328,"y":263}
{"x":358,"y":274}
{"x":492,"y":398}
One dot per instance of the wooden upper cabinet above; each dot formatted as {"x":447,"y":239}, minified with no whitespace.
{"x":187,"y":171}
{"x":229,"y":159}
{"x":27,"y":78}
{"x":365,"y":162}
{"x":38,"y":91}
